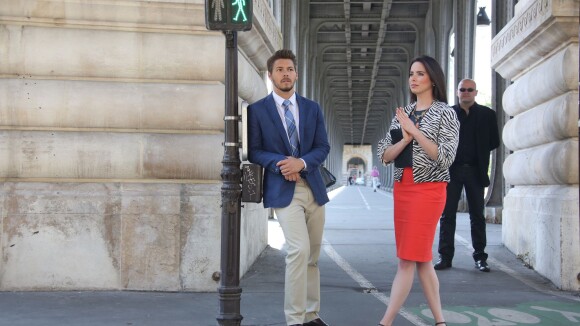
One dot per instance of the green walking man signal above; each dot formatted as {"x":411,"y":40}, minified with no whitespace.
{"x":228,"y":15}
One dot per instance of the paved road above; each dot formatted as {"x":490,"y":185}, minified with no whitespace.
{"x":359,"y":261}
{"x":357,"y":265}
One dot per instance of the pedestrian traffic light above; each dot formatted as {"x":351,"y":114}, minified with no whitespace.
{"x":228,"y":15}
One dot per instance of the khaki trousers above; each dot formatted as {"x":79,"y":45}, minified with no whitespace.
{"x":302,"y":223}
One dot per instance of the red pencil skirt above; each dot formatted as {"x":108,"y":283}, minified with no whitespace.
{"x":418,"y":207}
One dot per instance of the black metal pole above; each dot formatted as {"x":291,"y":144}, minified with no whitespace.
{"x":229,"y":290}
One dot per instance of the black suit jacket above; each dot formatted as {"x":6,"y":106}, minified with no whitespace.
{"x":487,"y":138}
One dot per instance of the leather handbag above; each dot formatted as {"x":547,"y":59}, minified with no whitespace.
{"x":328,"y":178}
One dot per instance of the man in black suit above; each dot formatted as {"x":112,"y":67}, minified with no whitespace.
{"x":478,"y":136}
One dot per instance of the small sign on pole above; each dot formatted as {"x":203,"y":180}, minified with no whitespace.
{"x":228,"y":15}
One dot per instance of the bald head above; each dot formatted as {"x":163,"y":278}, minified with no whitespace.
{"x":466,"y":92}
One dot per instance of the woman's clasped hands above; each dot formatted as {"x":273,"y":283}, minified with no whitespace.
{"x":408,"y":128}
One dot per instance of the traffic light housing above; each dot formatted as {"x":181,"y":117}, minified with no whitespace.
{"x":228,"y":15}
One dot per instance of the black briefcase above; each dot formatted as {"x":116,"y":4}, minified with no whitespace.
{"x":252,"y":183}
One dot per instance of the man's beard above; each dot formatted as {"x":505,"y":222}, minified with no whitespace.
{"x":284,"y":89}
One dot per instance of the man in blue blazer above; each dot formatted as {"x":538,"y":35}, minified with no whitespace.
{"x":287,"y":137}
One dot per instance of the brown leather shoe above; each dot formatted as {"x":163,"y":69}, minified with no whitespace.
{"x":315,"y":322}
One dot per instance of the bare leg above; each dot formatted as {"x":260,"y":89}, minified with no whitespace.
{"x":400,"y":290}
{"x":430,"y":284}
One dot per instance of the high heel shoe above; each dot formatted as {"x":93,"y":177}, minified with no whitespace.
{"x":441,"y":323}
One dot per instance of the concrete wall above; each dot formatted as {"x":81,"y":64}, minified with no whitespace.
{"x":111,"y":131}
{"x":538,"y":52}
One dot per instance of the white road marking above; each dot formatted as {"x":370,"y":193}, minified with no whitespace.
{"x":570,"y":315}
{"x":366,"y":284}
{"x":364,"y":199}
{"x":415,"y":320}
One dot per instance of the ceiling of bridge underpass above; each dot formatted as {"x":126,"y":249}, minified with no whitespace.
{"x":363,"y":49}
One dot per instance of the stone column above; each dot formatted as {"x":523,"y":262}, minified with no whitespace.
{"x":464,"y":26}
{"x":303,"y":49}
{"x":386,"y":172}
{"x":538,"y":51}
{"x":502,"y":14}
{"x":438,"y":29}
{"x":290,"y":24}
{"x":276,"y":10}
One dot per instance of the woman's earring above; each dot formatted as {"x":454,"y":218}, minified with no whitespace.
{"x":433,"y":85}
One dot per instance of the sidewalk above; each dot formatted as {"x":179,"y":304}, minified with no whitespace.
{"x":357,"y":267}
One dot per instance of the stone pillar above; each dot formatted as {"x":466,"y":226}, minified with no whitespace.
{"x":538,"y":51}
{"x":303,"y":49}
{"x":290,"y":24}
{"x":502,"y":14}
{"x":464,"y":26}
{"x":438,"y":27}
{"x":276,"y":10}
{"x":309,"y":82}
{"x":386,"y":172}
{"x":111,"y":131}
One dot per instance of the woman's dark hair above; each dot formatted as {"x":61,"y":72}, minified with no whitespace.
{"x":435,"y":74}
{"x":281,"y":54}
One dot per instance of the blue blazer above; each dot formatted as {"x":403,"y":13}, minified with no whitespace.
{"x":268,"y":144}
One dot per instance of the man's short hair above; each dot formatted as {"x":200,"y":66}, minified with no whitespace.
{"x":281,"y":54}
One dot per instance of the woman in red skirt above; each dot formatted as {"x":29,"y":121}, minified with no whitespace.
{"x":422,"y":142}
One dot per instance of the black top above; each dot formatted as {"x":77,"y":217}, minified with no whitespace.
{"x":477,"y":137}
{"x":405,"y":159}
{"x":466,"y":150}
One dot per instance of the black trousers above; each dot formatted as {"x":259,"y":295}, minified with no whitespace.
{"x":463,"y":176}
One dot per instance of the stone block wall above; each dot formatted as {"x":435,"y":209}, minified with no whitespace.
{"x":538,"y":51}
{"x":111,"y":131}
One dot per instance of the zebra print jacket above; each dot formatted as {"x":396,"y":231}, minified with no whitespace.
{"x":440,"y":125}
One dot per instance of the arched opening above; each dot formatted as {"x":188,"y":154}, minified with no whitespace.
{"x":356,"y":169}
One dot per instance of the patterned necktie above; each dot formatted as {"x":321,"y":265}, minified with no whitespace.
{"x":292,"y":134}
